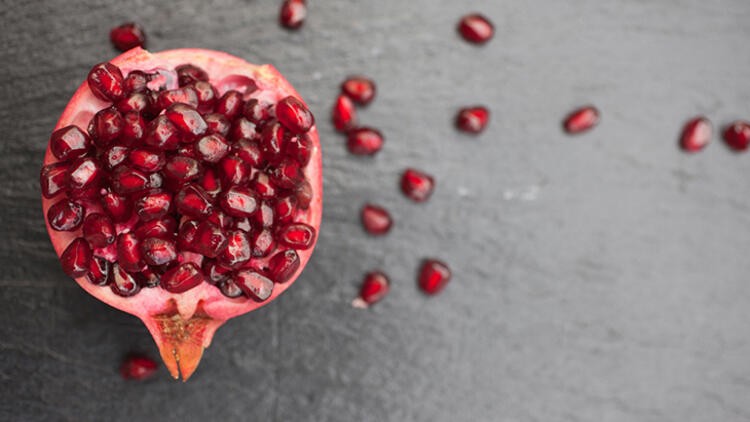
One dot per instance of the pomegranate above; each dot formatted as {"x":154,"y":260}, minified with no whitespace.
{"x":375,"y":287}
{"x":476,"y":28}
{"x":581,"y":120}
{"x":138,"y":367}
{"x":210,"y":212}
{"x":696,"y":134}
{"x":126,"y":36}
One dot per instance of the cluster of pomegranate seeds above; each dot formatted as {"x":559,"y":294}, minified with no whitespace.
{"x":361,"y":140}
{"x":172,"y":188}
{"x":138,"y":367}
{"x":126,"y":36}
{"x":476,"y":28}
{"x":292,"y":14}
{"x":472,"y":119}
{"x":374,"y":288}
{"x":581,"y":120}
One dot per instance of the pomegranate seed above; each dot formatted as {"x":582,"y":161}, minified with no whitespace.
{"x":304,"y":195}
{"x":233,"y":171}
{"x":359,"y":89}
{"x":193,"y":201}
{"x":249,"y":152}
{"x":85,"y":173}
{"x":127,"y":180}
{"x":375,"y":287}
{"x":153,"y":205}
{"x":105,"y":81}
{"x":182,"y":278}
{"x":135,"y":102}
{"x":210,"y":239}
{"x":163,"y":227}
{"x":417,"y":185}
{"x":243,"y":224}
{"x":220,"y":219}
{"x":364,"y":141}
{"x":129,"y":253}
{"x":65,"y":215}
{"x":210,"y":182}
{"x":292,"y":14}
{"x":53,"y":179}
{"x":69,"y":142}
{"x":158,"y":251}
{"x":696,"y":134}
{"x":344,"y":115}
{"x":262,"y":186}
{"x":239,"y":201}
{"x":244,"y":129}
{"x":99,"y":272}
{"x":230,"y":104}
{"x":182,"y":169}
{"x":476,"y":29}
{"x":294,"y":115}
{"x":285,"y":209}
{"x":138,"y":368}
{"x":207,"y":96}
{"x":472,"y":119}
{"x":737,"y":135}
{"x":126,"y":36}
{"x":76,"y":258}
{"x":230,"y":289}
{"x":376,"y":220}
{"x":147,"y":160}
{"x":263,"y":243}
{"x":287,"y":174}
{"x":162,"y":134}
{"x":255,"y":286}
{"x":283,"y":265}
{"x":106,"y":126}
{"x":256,"y":111}
{"x":263,"y":215}
{"x":217,"y":123}
{"x":123,"y":283}
{"x":433,"y":276}
{"x":99,"y":230}
{"x":300,"y":148}
{"x":185,"y":95}
{"x":133,"y":128}
{"x":272,"y":141}
{"x":296,"y":235}
{"x":212,"y":148}
{"x":215,"y":273}
{"x":136,"y":81}
{"x":581,"y":120}
{"x":115,"y":155}
{"x":237,"y":251}
{"x":186,"y":235}
{"x":187,"y":119}
{"x":190,"y":73}
{"x":118,"y":207}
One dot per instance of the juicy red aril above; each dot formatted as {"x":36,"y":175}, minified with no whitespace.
{"x":230,"y":289}
{"x":210,"y":182}
{"x":243,"y":128}
{"x":206,"y":96}
{"x":190,"y":73}
{"x":283,"y":265}
{"x":186,"y":235}
{"x":263,"y":243}
{"x":135,"y":102}
{"x":238,"y":249}
{"x":304,"y":195}
{"x":126,"y":36}
{"x":263,"y":216}
{"x":737,"y":135}
{"x":285,"y":209}
{"x":153,"y":205}
{"x":99,"y":230}
{"x":375,"y":287}
{"x":272,"y":141}
{"x":696,"y":134}
{"x":217,"y":123}
{"x":364,"y":141}
{"x":162,"y":134}
{"x":118,"y":207}
{"x":212,"y":148}
{"x":65,"y":215}
{"x":417,"y":185}
{"x":210,"y":239}
{"x":287,"y":174}
{"x":162,"y":227}
{"x":294,"y":115}
{"x":221,"y":219}
{"x":243,"y":224}
{"x":292,"y":14}
{"x":85,"y":173}
{"x":136,"y":81}
{"x":138,"y":368}
{"x":106,"y":126}
{"x":184,"y":95}
{"x":158,"y":251}
{"x":115,"y":155}
{"x":476,"y":28}
{"x":359,"y":89}
{"x":127,"y":180}
{"x":182,"y":169}
{"x":147,"y":160}
{"x":300,"y":148}
{"x":256,"y":111}
{"x":105,"y":81}
{"x":255,"y":286}
{"x":98,"y":272}
{"x":187,"y":119}
{"x":296,"y":235}
{"x":76,"y":257}
{"x":472,"y":119}
{"x":262,"y":186}
{"x":193,"y":201}
{"x":129,"y":253}
{"x":249,"y":152}
{"x":433,"y":276}
{"x":581,"y":120}
{"x":376,"y":220}
{"x":123,"y":283}
{"x":150,"y":278}
{"x":53,"y":179}
{"x":233,"y":171}
{"x":344,"y":115}
{"x":239,"y":201}
{"x":133,"y":128}
{"x":215,"y":272}
{"x":230,"y":104}
{"x":69,"y":142}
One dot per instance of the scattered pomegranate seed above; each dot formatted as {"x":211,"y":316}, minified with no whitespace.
{"x":476,"y":28}
{"x":472,"y":119}
{"x":417,"y":185}
{"x":364,"y":141}
{"x":433,"y":276}
{"x":581,"y":120}
{"x":126,"y":36}
{"x":138,"y":368}
{"x":375,"y":287}
{"x":376,"y":220}
{"x":359,"y":89}
{"x":344,"y":115}
{"x":696,"y":134}
{"x":737,"y":135}
{"x":292,"y":14}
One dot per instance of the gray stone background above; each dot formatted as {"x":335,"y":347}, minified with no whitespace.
{"x":597,"y":278}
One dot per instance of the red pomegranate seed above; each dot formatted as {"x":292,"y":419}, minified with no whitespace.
{"x":129,"y":254}
{"x":256,"y":111}
{"x":472,"y":119}
{"x":344,"y":115}
{"x":304,"y":195}
{"x":99,"y":230}
{"x":190,"y":73}
{"x":118,"y":207}
{"x":244,"y":129}
{"x":193,"y":201}
{"x":300,"y":148}
{"x":237,"y":251}
{"x":210,"y":182}
{"x":65,"y":215}
{"x":212,"y":148}
{"x":294,"y":115}
{"x":133,"y":128}
{"x":186,"y":235}
{"x":153,"y":205}
{"x":182,"y":278}
{"x":162,"y":134}
{"x":138,"y":368}
{"x":126,"y":36}
{"x":185,"y":95}
{"x":283,"y":265}
{"x":285,"y":209}
{"x":215,"y":272}
{"x":263,"y":243}
{"x":376,"y":220}
{"x":272,"y":141}
{"x":158,"y":251}
{"x":69,"y":142}
{"x":123,"y":283}
{"x":249,"y":152}
{"x":127,"y":180}
{"x":417,"y":185}
{"x":287,"y":174}
{"x":99,"y":272}
{"x":210,"y":239}
{"x":53,"y":179}
{"x":255,"y":286}
{"x":136,"y":81}
{"x":360,"y":89}
{"x":147,"y":160}
{"x":76,"y":258}
{"x":243,"y":224}
{"x":476,"y":28}
{"x":135,"y":102}
{"x":217,"y":123}
{"x":106,"y":82}
{"x":239,"y":201}
{"x":221,"y":219}
{"x":296,"y":236}
{"x":696,"y":134}
{"x":737,"y":135}
{"x":230,"y":289}
{"x":115,"y":155}
{"x":233,"y":171}
{"x":162,"y":227}
{"x":581,"y":120}
{"x":433,"y":276}
{"x":182,"y":169}
{"x":364,"y":141}
{"x":85,"y":173}
{"x":151,"y":277}
{"x":187,"y":119}
{"x":375,"y":287}
{"x":230,"y":104}
{"x":207,"y":96}
{"x":106,"y":126}
{"x":263,"y":216}
{"x":292,"y":14}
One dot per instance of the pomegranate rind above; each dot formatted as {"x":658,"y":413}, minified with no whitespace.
{"x":205,"y":302}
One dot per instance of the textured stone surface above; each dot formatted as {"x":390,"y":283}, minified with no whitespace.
{"x":597,"y":278}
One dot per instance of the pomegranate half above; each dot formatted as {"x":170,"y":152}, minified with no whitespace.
{"x":226,"y":235}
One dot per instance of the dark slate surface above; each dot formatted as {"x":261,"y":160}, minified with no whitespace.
{"x":597,"y":278}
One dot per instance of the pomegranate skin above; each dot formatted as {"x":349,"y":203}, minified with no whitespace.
{"x":199,"y":312}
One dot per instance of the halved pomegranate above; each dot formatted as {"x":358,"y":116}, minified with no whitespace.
{"x":158,"y":209}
